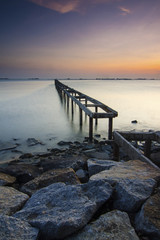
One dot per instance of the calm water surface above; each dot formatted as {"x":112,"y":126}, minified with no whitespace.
{"x":32,"y":109}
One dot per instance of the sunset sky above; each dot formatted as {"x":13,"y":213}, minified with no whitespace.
{"x":79,"y":38}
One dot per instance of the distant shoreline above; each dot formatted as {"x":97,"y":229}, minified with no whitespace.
{"x":50,"y":79}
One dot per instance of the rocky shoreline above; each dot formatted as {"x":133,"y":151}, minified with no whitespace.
{"x":78,"y":191}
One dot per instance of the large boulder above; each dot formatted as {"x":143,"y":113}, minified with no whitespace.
{"x":134,"y":182}
{"x":59,"y":209}
{"x":97,"y":165}
{"x":66,"y":175}
{"x":13,"y":228}
{"x":11,"y":200}
{"x":147,"y":220}
{"x":75,"y":162}
{"x":6,"y":180}
{"x":113,"y":225}
{"x":130,"y":194}
{"x":133,"y":169}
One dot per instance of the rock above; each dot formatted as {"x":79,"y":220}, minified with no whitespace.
{"x":59,"y":209}
{"x":147,"y":220}
{"x":97,"y":135}
{"x":4,"y":146}
{"x":26,"y":155}
{"x":6,"y":180}
{"x":66,"y":175}
{"x":13,"y":228}
{"x":76,"y":163}
{"x":97,"y":191}
{"x":133,"y":169}
{"x":114,"y":225}
{"x":11,"y":200}
{"x":134,"y":121}
{"x":96,"y":165}
{"x":63,"y":143}
{"x":82,"y":175}
{"x":95,"y":154}
{"x":130,"y":194}
{"x":134,"y":181}
{"x":33,"y":142}
{"x":23,"y":172}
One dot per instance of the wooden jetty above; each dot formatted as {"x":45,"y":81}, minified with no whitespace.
{"x":122,"y":139}
{"x":85,"y":104}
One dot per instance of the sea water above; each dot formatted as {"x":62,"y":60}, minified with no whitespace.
{"x":33,"y":109}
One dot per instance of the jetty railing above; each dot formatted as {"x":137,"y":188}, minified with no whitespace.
{"x":122,"y":139}
{"x":85,"y":102}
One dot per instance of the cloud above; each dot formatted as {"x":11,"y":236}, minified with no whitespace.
{"x":125,"y":11}
{"x":65,"y":6}
{"x":62,"y":6}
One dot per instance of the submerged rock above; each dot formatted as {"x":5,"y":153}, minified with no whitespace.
{"x":59,"y":209}
{"x":11,"y":200}
{"x":33,"y":142}
{"x":13,"y":228}
{"x":113,"y":225}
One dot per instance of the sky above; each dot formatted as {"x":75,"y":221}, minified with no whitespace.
{"x":79,"y":38}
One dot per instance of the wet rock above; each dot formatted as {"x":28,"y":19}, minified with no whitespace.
{"x":33,"y":142}
{"x":134,"y":121}
{"x":13,"y":228}
{"x":96,"y":165}
{"x":6,"y":180}
{"x":66,"y":175}
{"x":148,"y":219}
{"x":82,"y":175}
{"x":59,"y":209}
{"x":132,"y":193}
{"x":4,"y":146}
{"x":11,"y":200}
{"x":63,"y":143}
{"x":95,"y":154}
{"x":113,"y":225}
{"x":22,"y":172}
{"x":26,"y":155}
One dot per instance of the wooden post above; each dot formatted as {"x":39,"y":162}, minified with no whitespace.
{"x":147,"y":148}
{"x":96,"y":120}
{"x":116,"y":151}
{"x":72,"y":106}
{"x":110,"y":128}
{"x":90,"y":128}
{"x":80,"y":115}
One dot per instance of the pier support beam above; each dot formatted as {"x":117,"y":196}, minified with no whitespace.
{"x":80,"y":116}
{"x":90,"y":128}
{"x":110,"y":128}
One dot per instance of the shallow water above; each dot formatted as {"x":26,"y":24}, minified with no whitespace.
{"x":32,"y":109}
